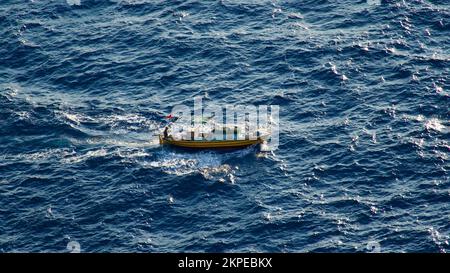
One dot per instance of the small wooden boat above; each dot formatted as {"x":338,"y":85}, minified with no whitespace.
{"x":209,"y":144}
{"x":206,"y":141}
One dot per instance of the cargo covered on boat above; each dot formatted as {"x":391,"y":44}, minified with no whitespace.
{"x":207,"y":134}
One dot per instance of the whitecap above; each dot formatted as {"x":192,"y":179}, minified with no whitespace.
{"x":295,"y":15}
{"x":72,"y":117}
{"x":12,"y":90}
{"x":435,"y":125}
{"x":74,"y":158}
{"x":49,"y":212}
{"x":439,"y":89}
{"x":418,"y":118}
{"x":170,"y":199}
{"x":364,"y":47}
{"x":391,"y":50}
{"x":419,"y":142}
{"x":333,"y":68}
{"x":73,"y":2}
{"x":23,"y":115}
{"x":438,"y":239}
{"x":374,"y":2}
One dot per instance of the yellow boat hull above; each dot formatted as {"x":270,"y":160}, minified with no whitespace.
{"x":214,"y":144}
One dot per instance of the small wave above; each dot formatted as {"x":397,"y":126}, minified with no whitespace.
{"x":74,"y":2}
{"x":12,"y":90}
{"x":441,"y":241}
{"x":77,"y":158}
{"x":435,"y":125}
{"x":430,"y":124}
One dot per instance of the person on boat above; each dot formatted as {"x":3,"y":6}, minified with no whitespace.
{"x":166,"y":134}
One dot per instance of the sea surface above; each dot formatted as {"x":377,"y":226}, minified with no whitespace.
{"x":364,"y":95}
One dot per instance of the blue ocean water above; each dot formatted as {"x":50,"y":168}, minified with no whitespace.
{"x":363,"y":89}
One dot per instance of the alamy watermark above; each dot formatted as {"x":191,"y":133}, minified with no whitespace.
{"x":228,"y":122}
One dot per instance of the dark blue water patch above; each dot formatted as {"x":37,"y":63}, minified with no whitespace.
{"x":363,"y":153}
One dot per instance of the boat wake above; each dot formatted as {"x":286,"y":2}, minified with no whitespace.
{"x":212,"y":165}
{"x":132,"y":139}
